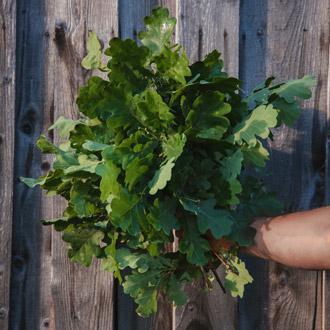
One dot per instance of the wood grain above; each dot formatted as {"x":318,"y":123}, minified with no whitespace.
{"x":7,"y":112}
{"x":82,"y":298}
{"x":253,"y":308}
{"x":298,"y":44}
{"x":202,"y":27}
{"x":25,"y":270}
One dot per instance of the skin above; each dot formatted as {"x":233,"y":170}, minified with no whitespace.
{"x":300,"y":239}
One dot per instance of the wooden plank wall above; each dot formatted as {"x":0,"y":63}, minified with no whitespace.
{"x":257,"y":39}
{"x":7,"y":111}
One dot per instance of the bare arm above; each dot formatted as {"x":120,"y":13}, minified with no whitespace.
{"x":300,"y":239}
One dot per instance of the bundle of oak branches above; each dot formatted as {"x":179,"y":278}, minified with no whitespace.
{"x":159,"y":151}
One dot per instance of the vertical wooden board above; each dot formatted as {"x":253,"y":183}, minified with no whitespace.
{"x":326,"y":274}
{"x":202,"y":27}
{"x":7,"y":124}
{"x":25,"y":270}
{"x":82,"y":298}
{"x":253,"y":308}
{"x":131,"y":15}
{"x":297,"y":44}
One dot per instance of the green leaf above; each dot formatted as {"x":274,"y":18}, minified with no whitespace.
{"x":288,"y":112}
{"x":141,"y":287}
{"x":127,"y":64}
{"x":235,"y":188}
{"x":109,"y":185}
{"x":192,"y":244}
{"x":211,"y":67}
{"x":173,"y":146}
{"x":80,"y":199}
{"x":151,"y":111}
{"x":64,"y":126}
{"x":46,"y":146}
{"x":84,"y":243}
{"x":86,"y":164}
{"x":256,"y":155}
{"x":30,"y":182}
{"x":235,"y":283}
{"x":208,"y":115}
{"x":162,"y":215}
{"x":231,"y":165}
{"x":161,"y":177}
{"x":109,"y":263}
{"x":94,"y":146}
{"x":93,"y":58}
{"x":159,"y":32}
{"x":136,"y":169}
{"x":291,"y":89}
{"x":219,"y":221}
{"x":172,"y":65}
{"x":175,"y":292}
{"x":256,"y":124}
{"x":125,"y":212}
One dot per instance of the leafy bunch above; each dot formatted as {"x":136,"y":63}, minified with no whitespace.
{"x":159,"y":151}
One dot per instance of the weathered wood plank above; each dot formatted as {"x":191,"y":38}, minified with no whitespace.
{"x":253,"y":22}
{"x":82,"y":298}
{"x":25,"y":271}
{"x":202,"y":27}
{"x":297,"y":44}
{"x":7,"y":113}
{"x":325,"y":322}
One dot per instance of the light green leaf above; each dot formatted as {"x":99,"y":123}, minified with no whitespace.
{"x":109,"y":263}
{"x":94,"y":146}
{"x":161,"y":177}
{"x":172,"y":65}
{"x":235,"y":283}
{"x":152,"y":111}
{"x":30,"y":182}
{"x":109,"y":185}
{"x":159,"y":32}
{"x":173,"y":146}
{"x":256,"y":124}
{"x":46,"y":146}
{"x":64,"y":126}
{"x":86,"y":164}
{"x":93,"y":58}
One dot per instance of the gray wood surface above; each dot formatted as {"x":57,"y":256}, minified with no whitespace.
{"x":81,"y":298}
{"x":25,"y":272}
{"x":257,"y":39}
{"x":253,"y":308}
{"x":297,"y":44}
{"x":7,"y":112}
{"x":202,"y":27}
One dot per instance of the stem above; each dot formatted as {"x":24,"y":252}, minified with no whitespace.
{"x":226,"y":263}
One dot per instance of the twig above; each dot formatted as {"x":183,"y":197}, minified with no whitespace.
{"x":225,"y":262}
